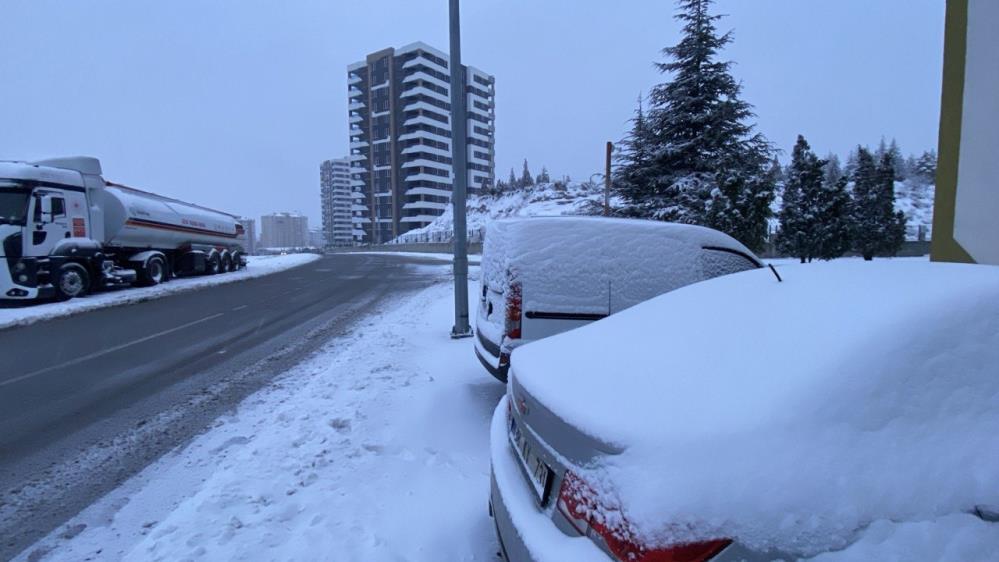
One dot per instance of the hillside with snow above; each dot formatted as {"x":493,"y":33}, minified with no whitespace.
{"x":541,"y":200}
{"x":913,"y":198}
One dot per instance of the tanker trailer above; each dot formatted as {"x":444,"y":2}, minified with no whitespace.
{"x":66,"y":231}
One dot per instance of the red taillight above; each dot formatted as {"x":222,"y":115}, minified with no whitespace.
{"x":513,"y":309}
{"x":577,"y":502}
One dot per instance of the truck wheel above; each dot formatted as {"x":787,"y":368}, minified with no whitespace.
{"x":226,"y":264}
{"x":213,"y":265}
{"x":153,"y":272}
{"x":71,"y":281}
{"x":234,"y":262}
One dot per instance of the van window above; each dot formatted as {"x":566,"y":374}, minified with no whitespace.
{"x":715,"y":263}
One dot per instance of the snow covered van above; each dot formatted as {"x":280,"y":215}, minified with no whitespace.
{"x":546,"y":275}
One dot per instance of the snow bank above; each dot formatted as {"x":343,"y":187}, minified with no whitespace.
{"x":790,"y":414}
{"x":257,"y":266}
{"x":376,"y":449}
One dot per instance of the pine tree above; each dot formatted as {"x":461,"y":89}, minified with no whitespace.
{"x":926,"y":167}
{"x":705,"y":164}
{"x":833,"y":224}
{"x":633,"y":159}
{"x":543,"y":177}
{"x":876,"y":229}
{"x":833,"y":171}
{"x":513,"y":183}
{"x":526,"y":179}
{"x":800,"y":214}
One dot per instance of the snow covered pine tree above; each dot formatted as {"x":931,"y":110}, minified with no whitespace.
{"x":876,"y":229}
{"x":694,"y":157}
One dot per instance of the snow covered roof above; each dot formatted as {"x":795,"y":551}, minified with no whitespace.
{"x":789,"y":414}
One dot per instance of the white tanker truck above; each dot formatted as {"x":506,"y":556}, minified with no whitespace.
{"x":65,"y":231}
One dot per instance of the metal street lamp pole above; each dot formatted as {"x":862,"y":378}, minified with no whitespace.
{"x":459,"y":157}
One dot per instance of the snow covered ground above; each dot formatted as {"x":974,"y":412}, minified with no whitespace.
{"x":377,"y":449}
{"x":257,"y":266}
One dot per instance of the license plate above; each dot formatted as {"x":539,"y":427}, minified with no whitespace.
{"x":538,"y":473}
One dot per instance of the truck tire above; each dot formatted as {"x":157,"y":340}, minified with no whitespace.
{"x":234,"y":263}
{"x":213,"y":265}
{"x":153,"y":272}
{"x":72,"y":280}
{"x":226,"y":264}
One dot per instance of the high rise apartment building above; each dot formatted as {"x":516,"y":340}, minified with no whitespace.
{"x":399,"y":107}
{"x":337,"y":204}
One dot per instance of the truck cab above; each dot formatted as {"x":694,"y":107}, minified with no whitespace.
{"x":41,"y":210}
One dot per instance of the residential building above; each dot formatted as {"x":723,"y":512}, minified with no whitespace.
{"x":399,"y":108}
{"x":337,"y":202}
{"x":249,"y":238}
{"x":317,"y":238}
{"x":284,"y":230}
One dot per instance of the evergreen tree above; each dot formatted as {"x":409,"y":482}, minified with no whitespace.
{"x":513,"y":183}
{"x":833,"y":224}
{"x":543,"y":177}
{"x":633,"y":159}
{"x":704,"y":163}
{"x":800,"y":213}
{"x":833,"y":171}
{"x":526,"y":179}
{"x":926,"y":167}
{"x":876,"y":229}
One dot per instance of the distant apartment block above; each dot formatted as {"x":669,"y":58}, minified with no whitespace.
{"x":284,"y":230}
{"x":249,"y":238}
{"x":399,"y":108}
{"x":342,"y":224}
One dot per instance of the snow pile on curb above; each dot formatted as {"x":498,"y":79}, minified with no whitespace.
{"x":257,"y":266}
{"x":541,"y":200}
{"x":376,"y":449}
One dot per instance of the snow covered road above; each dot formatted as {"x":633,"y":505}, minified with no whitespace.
{"x":377,"y":449}
{"x":17,"y":314}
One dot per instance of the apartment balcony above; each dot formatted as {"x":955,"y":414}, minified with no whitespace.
{"x":354,"y":106}
{"x":353,"y":79}
{"x":415,"y":106}
{"x":421,"y":75}
{"x":423,"y":162}
{"x":357,"y":183}
{"x":425,"y":205}
{"x":358,"y":144}
{"x":354,"y":119}
{"x":425,"y":135}
{"x":418,"y":90}
{"x":357,"y":157}
{"x":424,"y":120}
{"x":416,"y":191}
{"x":428,"y":177}
{"x":427,"y":149}
{"x":420,"y":59}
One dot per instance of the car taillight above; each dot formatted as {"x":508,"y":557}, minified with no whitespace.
{"x":513,"y":308}
{"x":577,"y":502}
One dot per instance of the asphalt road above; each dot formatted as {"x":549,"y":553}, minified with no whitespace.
{"x":87,"y":401}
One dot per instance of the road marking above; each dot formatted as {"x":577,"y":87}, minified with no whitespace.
{"x":240,"y":307}
{"x":109,"y":350}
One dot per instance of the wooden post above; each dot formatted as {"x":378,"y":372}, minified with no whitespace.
{"x":607,"y":179}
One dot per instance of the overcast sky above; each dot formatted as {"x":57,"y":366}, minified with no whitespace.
{"x":233,"y":104}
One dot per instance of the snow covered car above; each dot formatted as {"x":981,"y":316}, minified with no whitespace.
{"x":842,"y":414}
{"x":543,"y":276}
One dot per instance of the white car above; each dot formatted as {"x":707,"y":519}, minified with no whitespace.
{"x":846,"y":413}
{"x":543,"y":276}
